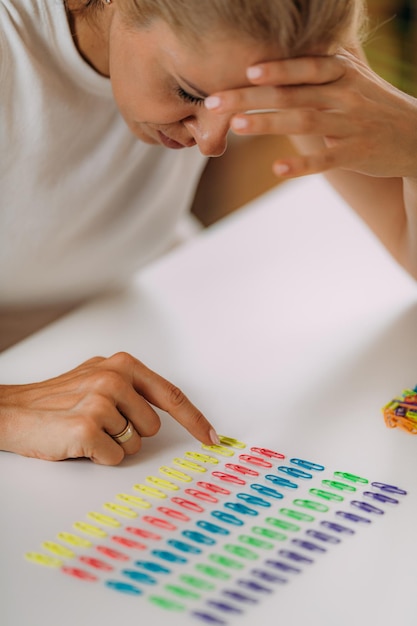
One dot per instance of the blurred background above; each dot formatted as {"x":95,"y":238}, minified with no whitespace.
{"x":244,"y":171}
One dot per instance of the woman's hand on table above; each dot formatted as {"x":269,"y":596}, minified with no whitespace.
{"x":364,"y":124}
{"x":78,"y":413}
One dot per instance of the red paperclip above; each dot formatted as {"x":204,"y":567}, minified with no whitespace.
{"x":255,"y":460}
{"x":159,"y":523}
{"x":187,"y":504}
{"x":213,"y":488}
{"x":269,"y":453}
{"x":146,"y":534}
{"x":128,"y":543}
{"x":201,"y":495}
{"x":228,"y":478}
{"x":241,"y":469}
{"x":179,"y":515}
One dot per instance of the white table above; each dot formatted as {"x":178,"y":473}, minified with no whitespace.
{"x":290,"y":327}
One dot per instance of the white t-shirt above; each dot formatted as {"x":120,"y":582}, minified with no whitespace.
{"x":83,"y":203}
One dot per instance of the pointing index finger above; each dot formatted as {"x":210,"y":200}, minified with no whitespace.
{"x":168,"y":397}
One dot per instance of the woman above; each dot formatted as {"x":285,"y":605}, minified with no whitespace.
{"x":84,"y":203}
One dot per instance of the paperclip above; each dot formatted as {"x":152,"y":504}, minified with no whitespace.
{"x":283,"y":567}
{"x":214,"y":572}
{"x":153,"y":492}
{"x":182,"y":592}
{"x":294,"y":556}
{"x":335,"y":484}
{"x":123,"y":587}
{"x":140,"y":503}
{"x":308,"y":545}
{"x":166,"y":603}
{"x":214,"y":488}
{"x":188,"y":504}
{"x":90,"y":529}
{"x":253,"y":586}
{"x":79,"y":573}
{"x":316,"y":534}
{"x":128,"y":543}
{"x":183,"y":547}
{"x":367,"y":507}
{"x":268,"y":453}
{"x":389,"y":488}
{"x":326,"y":495}
{"x":165,"y":555}
{"x":311,"y":504}
{"x":284,"y":525}
{"x":253,"y":500}
{"x":255,"y":542}
{"x":139,"y":577}
{"x":96,"y":563}
{"x":227,"y":518}
{"x":221,"y":559}
{"x":294,"y":472}
{"x":58,"y":550}
{"x":179,"y":515}
{"x":198,"y":537}
{"x":223,"y":606}
{"x":338,"y":528}
{"x":233,"y":443}
{"x":112,"y":554}
{"x":267,"y":532}
{"x":268,"y":576}
{"x":240,"y":508}
{"x":197,"y":583}
{"x":308,"y":465}
{"x":162,"y":483}
{"x":208,"y":618}
{"x":255,"y":460}
{"x":267,"y":491}
{"x":201,"y":495}
{"x":222,"y":450}
{"x":120,"y":509}
{"x":212,"y":528}
{"x":173,"y":473}
{"x":195,"y":467}
{"x":302,"y":517}
{"x":159,"y":523}
{"x":106,"y":520}
{"x":239,"y":597}
{"x":146,"y":534}
{"x":203,"y":458}
{"x":151,"y":566}
{"x":228,"y":478}
{"x":241,"y":469}
{"x":352,"y":517}
{"x":43,"y":559}
{"x":352,"y":477}
{"x":282,"y":482}
{"x":244,"y":553}
{"x":74,"y":540}
{"x":381,"y":497}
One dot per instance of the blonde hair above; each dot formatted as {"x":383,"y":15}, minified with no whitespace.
{"x":295,"y":26}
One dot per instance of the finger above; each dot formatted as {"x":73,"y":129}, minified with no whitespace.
{"x":166,"y":396}
{"x":135,"y":408}
{"x":114,"y":424}
{"x":310,"y":164}
{"x":103,"y":450}
{"x":265,"y":98}
{"x":294,"y":122}
{"x":311,"y":70}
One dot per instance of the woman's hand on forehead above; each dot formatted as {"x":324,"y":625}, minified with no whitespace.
{"x":357,"y":116}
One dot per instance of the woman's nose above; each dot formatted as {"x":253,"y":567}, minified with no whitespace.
{"x":209,"y":131}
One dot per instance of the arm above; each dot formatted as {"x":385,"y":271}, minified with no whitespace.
{"x":78,"y":413}
{"x":347,"y":122}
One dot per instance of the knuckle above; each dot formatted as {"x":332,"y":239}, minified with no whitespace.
{"x":307,"y":121}
{"x":121,"y":360}
{"x":175,"y":396}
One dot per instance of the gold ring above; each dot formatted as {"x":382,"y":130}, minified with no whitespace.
{"x":125,"y":434}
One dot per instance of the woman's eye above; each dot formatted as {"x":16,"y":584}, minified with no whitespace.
{"x":187,"y":97}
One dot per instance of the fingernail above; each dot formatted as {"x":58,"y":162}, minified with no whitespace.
{"x":214,"y":437}
{"x":212,"y":102}
{"x":239,"y":123}
{"x":254,"y":72}
{"x":281,"y":169}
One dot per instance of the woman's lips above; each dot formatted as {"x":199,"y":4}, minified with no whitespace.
{"x":171,"y":143}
